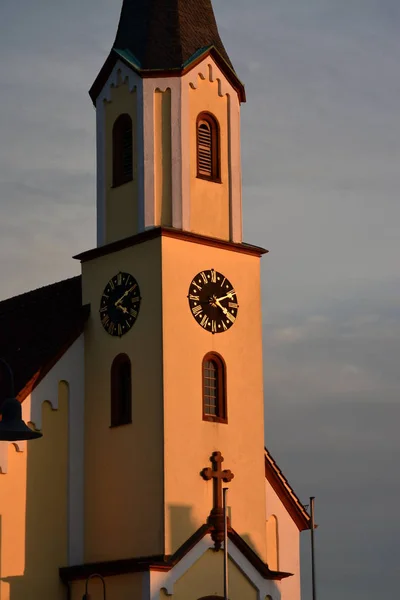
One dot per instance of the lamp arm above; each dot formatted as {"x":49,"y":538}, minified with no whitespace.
{"x":93,"y":576}
{"x":10,"y":373}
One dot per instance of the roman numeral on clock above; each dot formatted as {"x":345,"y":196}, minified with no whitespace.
{"x":196,"y":310}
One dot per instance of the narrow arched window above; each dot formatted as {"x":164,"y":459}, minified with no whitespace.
{"x":122,"y":150}
{"x":208,"y":147}
{"x":214,"y":389}
{"x":121,"y":391}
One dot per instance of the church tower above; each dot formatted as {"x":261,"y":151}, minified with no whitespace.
{"x":168,"y":75}
{"x":145,"y":373}
{"x":173,"y":344}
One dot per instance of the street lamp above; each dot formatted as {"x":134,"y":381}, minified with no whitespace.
{"x":12,"y":427}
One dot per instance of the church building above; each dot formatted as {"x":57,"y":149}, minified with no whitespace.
{"x":145,"y":373}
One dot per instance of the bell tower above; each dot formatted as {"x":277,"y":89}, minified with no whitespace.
{"x":155,"y":166}
{"x":175,"y":330}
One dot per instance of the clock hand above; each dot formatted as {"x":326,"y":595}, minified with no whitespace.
{"x":217,"y":302}
{"x":230,"y":296}
{"x":125,"y":310}
{"x":118,"y":302}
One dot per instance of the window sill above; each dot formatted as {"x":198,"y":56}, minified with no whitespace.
{"x":114,"y":426}
{"x":211,"y":419}
{"x":118,"y":185}
{"x":210,"y":179}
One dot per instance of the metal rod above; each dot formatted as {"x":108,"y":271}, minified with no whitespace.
{"x":11,"y":375}
{"x":225,"y":492}
{"x":312,"y":515}
{"x":94,"y":576}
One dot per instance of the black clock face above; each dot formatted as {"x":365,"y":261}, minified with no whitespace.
{"x":120,"y":304}
{"x":213,"y":301}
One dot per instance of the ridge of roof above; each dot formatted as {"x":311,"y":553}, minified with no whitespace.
{"x":162,"y":562}
{"x":11,"y":302}
{"x":286,"y":493}
{"x":37,"y":327}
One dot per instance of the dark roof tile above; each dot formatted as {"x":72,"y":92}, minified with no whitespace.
{"x":35,"y":329}
{"x":165,"y":34}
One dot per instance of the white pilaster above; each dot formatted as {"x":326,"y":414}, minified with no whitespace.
{"x":149,"y":199}
{"x":140,"y":144}
{"x":235,"y":168}
{"x":101,"y":169}
{"x":176,"y":149}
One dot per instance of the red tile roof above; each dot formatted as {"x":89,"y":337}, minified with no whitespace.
{"x":36,"y":329}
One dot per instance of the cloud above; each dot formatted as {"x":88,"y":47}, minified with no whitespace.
{"x":321,"y":175}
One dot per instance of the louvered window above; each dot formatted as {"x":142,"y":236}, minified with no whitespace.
{"x":207,"y":147}
{"x":122,"y":150}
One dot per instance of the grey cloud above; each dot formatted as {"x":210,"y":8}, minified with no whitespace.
{"x":321,"y":154}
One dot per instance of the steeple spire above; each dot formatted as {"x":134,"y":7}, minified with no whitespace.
{"x":166,"y":34}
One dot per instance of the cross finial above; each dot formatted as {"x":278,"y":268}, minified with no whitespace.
{"x":218,"y":475}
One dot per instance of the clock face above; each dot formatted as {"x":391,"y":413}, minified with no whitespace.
{"x":120,"y":304}
{"x":213,"y":301}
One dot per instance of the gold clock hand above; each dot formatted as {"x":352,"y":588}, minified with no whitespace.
{"x":118,"y":302}
{"x":125,"y":310}
{"x":217,"y":302}
{"x":230,"y":296}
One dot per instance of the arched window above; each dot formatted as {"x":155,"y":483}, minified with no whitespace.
{"x":122,"y":150}
{"x":214,"y":389}
{"x":208,"y":147}
{"x":121,"y":391}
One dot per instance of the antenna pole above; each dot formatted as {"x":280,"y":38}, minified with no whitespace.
{"x":225,"y":494}
{"x":312,"y":514}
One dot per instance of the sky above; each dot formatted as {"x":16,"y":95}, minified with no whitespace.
{"x":321,"y":179}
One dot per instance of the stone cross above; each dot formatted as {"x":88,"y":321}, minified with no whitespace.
{"x":218,"y":475}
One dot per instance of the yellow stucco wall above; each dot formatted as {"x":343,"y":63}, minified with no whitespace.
{"x":288,"y":544}
{"x":33,"y":508}
{"x":272,"y":543}
{"x":205,"y":578}
{"x":124,"y":465}
{"x":209,"y":201}
{"x":163,"y":157}
{"x":121,"y":587}
{"x":122,"y":201}
{"x":189,"y":441}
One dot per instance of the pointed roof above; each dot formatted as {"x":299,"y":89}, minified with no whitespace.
{"x":166,"y":38}
{"x":166,"y":34}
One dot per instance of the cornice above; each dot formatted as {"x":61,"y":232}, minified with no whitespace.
{"x":158,"y":232}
